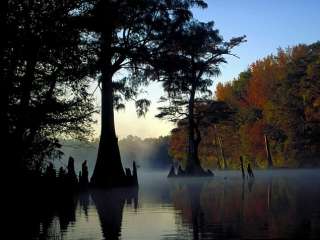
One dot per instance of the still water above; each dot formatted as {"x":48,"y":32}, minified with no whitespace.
{"x":277,"y":204}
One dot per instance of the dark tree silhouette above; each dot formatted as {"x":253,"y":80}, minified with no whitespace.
{"x":44,"y":71}
{"x":84,"y":177}
{"x":50,"y":172}
{"x":127,"y":33}
{"x":71,"y":174}
{"x":62,"y":177}
{"x":193,"y":58}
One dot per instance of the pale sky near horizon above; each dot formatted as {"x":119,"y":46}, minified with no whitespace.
{"x":268,"y":25}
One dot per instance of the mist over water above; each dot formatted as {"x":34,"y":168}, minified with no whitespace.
{"x":275,"y":204}
{"x":148,"y":153}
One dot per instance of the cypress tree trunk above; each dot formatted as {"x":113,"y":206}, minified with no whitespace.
{"x":193,"y":161}
{"x":194,"y":138}
{"x":108,"y":171}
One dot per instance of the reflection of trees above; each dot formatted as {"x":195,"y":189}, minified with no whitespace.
{"x":67,"y":212}
{"x":42,"y":215}
{"x":84,"y":201}
{"x":110,"y":205}
{"x":48,"y":216}
{"x":267,"y":207}
{"x":187,"y":200}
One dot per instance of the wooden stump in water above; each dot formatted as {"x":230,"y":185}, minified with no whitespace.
{"x":250,"y":172}
{"x":180,"y":171}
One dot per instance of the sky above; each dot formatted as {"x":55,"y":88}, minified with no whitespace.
{"x":267,"y":24}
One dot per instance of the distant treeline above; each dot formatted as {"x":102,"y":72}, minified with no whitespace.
{"x":276,"y":99}
{"x":149,"y":153}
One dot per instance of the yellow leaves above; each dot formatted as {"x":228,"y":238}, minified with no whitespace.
{"x":223,"y":91}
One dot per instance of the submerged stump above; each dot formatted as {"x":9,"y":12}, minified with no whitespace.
{"x":172,"y":172}
{"x":250,"y":172}
{"x":185,"y":173}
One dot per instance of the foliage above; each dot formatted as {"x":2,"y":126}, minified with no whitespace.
{"x":45,"y":75}
{"x":277,"y":96}
{"x":126,"y":35}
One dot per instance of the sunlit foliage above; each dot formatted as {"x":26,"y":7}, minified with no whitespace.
{"x":279,"y":97}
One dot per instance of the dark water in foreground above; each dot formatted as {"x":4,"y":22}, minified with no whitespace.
{"x":277,"y":204}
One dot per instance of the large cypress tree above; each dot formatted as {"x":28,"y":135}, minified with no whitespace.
{"x":127,"y":34}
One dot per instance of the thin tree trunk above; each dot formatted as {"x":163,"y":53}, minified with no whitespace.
{"x":269,"y":156}
{"x":222,"y":153}
{"x":242,"y":168}
{"x":221,"y":149}
{"x":216,"y":149}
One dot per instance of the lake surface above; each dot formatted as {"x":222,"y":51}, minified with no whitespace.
{"x":275,"y":204}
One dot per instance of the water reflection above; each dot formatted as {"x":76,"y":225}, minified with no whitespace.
{"x":271,"y":207}
{"x":284,"y":204}
{"x":41,"y":216}
{"x":186,"y":200}
{"x":110,"y":206}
